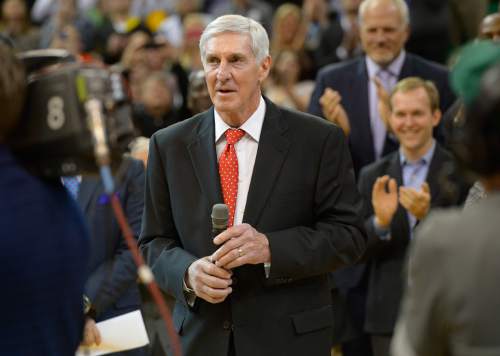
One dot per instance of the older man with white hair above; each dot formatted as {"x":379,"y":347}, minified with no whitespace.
{"x":260,"y":287}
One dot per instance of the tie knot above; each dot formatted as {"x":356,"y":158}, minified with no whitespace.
{"x":234,"y":135}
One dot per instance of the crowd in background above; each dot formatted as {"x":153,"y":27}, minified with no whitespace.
{"x":155,"y":44}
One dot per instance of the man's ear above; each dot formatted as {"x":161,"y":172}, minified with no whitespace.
{"x":264,"y":68}
{"x":436,"y":117}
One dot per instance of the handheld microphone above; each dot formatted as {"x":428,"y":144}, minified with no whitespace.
{"x":220,"y":218}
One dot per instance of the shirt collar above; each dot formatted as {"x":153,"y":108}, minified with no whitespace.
{"x":425,"y":159}
{"x":252,"y":127}
{"x":394,"y":67}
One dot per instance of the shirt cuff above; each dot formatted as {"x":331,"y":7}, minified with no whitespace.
{"x":267,"y":269}
{"x":189,"y":294}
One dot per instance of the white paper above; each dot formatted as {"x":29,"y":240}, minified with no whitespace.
{"x":124,"y":332}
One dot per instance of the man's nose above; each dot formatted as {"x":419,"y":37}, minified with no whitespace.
{"x":223,"y":72}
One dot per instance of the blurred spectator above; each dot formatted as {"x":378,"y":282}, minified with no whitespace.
{"x":315,"y":14}
{"x":349,"y":89}
{"x":284,"y":87}
{"x":430,"y":29}
{"x":490,"y":28}
{"x":142,"y":8}
{"x":290,"y":33}
{"x":111,"y":286}
{"x":193,"y":26}
{"x":465,"y":18}
{"x":65,"y":15}
{"x":68,"y":38}
{"x":16,"y":24}
{"x":453,"y":118}
{"x":340,"y":39}
{"x":258,"y":10}
{"x":112,"y":26}
{"x":456,"y":311}
{"x":399,"y":190}
{"x":43,"y":10}
{"x":198,"y":96}
{"x":154,"y":109}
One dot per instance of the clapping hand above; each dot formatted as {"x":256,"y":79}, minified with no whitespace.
{"x":333,"y":110}
{"x":416,"y":202}
{"x":384,"y":200}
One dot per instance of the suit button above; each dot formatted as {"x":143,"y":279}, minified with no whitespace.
{"x":226,"y":325}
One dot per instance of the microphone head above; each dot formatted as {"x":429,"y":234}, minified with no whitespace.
{"x":220,"y":216}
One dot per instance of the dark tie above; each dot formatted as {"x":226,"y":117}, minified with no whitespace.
{"x":228,"y":171}
{"x":72,"y":185}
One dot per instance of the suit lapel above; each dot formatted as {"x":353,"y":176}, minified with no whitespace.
{"x":204,"y":158}
{"x":407,"y":68}
{"x":360,"y":86}
{"x":401,"y":225}
{"x":272,"y":151}
{"x":433,"y":175}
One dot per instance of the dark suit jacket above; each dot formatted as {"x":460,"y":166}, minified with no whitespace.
{"x":452,"y":304}
{"x":302,"y":196}
{"x":111,"y":285}
{"x":44,"y":253}
{"x":351,"y":80}
{"x":385,"y":259}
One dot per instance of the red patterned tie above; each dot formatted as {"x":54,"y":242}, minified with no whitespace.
{"x":228,"y":171}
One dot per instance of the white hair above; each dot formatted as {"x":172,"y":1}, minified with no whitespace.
{"x":400,"y":5}
{"x":237,"y":24}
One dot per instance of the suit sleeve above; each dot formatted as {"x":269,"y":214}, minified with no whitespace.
{"x":365,"y":186}
{"x":114,"y":277}
{"x":159,"y":241}
{"x":337,"y":237}
{"x":422,"y":325}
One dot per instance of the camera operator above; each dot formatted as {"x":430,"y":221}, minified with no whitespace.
{"x":44,"y":245}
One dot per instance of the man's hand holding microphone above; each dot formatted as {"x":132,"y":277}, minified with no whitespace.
{"x":210,"y":277}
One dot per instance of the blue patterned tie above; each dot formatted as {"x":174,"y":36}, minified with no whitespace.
{"x":72,"y":184}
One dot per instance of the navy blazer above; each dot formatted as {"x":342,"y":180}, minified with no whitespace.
{"x":111,"y":285}
{"x":351,"y":80}
{"x":44,"y":256}
{"x":385,"y":259}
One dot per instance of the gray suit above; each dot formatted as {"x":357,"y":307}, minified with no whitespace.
{"x":452,"y":303}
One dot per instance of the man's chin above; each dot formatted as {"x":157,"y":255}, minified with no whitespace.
{"x":383,"y":60}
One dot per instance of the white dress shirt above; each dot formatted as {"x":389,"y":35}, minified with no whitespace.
{"x":246,"y":151}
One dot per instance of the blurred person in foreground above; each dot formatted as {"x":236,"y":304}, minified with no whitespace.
{"x":44,"y":245}
{"x":399,"y":190}
{"x":111,"y":287}
{"x":452,"y":301}
{"x":260,"y":287}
